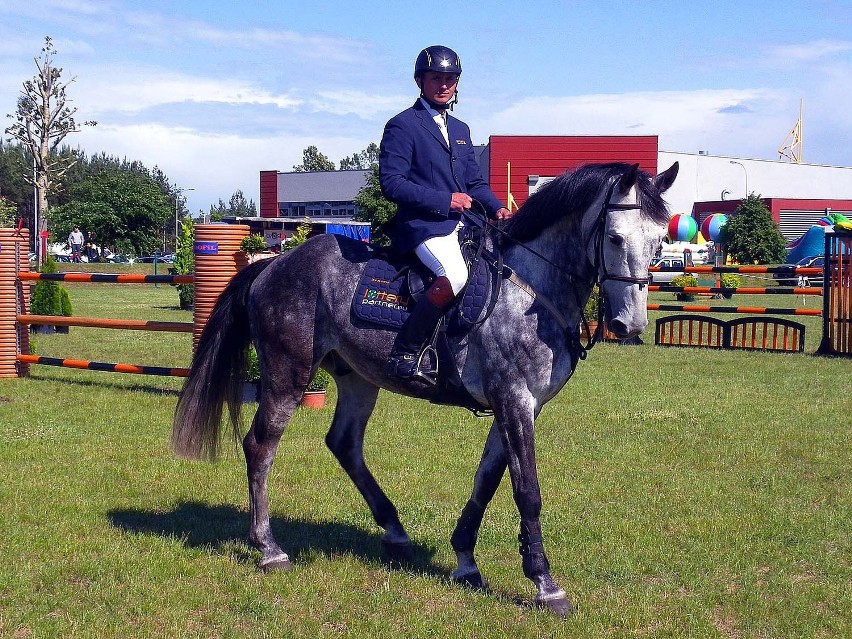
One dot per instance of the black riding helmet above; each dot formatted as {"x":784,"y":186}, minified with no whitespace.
{"x":437,"y":58}
{"x":441,"y":59}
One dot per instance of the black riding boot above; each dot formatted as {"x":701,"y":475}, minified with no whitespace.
{"x":418,"y":329}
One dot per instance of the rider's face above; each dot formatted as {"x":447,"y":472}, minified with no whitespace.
{"x":438,"y":87}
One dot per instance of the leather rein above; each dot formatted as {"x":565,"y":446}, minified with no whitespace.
{"x":602,"y":274}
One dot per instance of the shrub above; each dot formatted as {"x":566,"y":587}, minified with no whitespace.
{"x":730,"y":280}
{"x":65,"y":302}
{"x":49,"y":298}
{"x":300,"y":236}
{"x":592,"y":308}
{"x":185,"y":264}
{"x":685,"y":280}
{"x":253,"y":243}
{"x":320,"y":380}
{"x":8,"y":213}
{"x":252,"y":368}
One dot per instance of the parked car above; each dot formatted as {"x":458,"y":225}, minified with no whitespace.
{"x":665,"y":277}
{"x":167,"y":258}
{"x":787,"y":277}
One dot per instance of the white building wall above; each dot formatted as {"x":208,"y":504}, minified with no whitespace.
{"x":705,"y":178}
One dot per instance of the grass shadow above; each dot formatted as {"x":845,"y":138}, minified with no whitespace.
{"x":105,"y":384}
{"x":224,"y":528}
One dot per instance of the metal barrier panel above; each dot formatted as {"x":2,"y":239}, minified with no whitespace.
{"x":837,"y":295}
{"x":690,"y":330}
{"x":766,"y":334}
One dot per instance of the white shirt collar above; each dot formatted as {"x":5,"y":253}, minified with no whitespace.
{"x":431,"y":111}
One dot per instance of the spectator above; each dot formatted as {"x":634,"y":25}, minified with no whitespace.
{"x":75,"y":239}
{"x":92,"y":253}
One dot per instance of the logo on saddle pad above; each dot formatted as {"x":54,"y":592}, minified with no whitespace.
{"x":377,"y":294}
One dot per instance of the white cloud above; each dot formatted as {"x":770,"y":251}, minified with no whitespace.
{"x":131,"y":90}
{"x":809,"y":51}
{"x":716,"y":120}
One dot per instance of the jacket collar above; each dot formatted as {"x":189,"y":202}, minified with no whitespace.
{"x":428,"y":123}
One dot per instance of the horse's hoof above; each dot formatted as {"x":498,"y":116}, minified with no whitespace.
{"x":558,"y":605}
{"x":471,"y":580}
{"x":280,"y":562}
{"x":398,"y":551}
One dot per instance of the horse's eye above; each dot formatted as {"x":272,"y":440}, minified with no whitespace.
{"x":617,"y":240}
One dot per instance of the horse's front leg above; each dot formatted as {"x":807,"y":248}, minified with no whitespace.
{"x":492,"y":467}
{"x":515,"y":418}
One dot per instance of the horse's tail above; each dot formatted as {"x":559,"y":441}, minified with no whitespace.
{"x":216,"y":374}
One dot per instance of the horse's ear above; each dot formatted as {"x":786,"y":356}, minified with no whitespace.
{"x":628,"y":179}
{"x":664,"y":180}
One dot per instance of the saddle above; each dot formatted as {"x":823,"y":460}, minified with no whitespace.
{"x":392,"y":284}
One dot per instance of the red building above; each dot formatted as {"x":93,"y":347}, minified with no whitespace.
{"x":526,"y":159}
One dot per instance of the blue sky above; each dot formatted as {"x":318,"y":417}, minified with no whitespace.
{"x":214,"y":92}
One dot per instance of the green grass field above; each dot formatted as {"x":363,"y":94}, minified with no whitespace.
{"x":686,"y":494}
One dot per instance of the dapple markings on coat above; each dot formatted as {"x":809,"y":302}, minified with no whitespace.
{"x":295,"y":309}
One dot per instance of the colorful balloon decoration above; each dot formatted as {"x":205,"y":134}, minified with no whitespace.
{"x":711,"y":227}
{"x":682,"y":228}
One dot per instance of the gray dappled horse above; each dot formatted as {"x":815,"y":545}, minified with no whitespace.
{"x":600,"y":224}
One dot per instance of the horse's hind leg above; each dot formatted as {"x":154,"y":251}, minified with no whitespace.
{"x":259,"y":446}
{"x":491,"y":469}
{"x":356,"y":399}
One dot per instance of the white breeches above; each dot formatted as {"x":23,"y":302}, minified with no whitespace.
{"x":443,"y":256}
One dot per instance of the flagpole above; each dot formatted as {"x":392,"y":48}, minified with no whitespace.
{"x":801,"y":128}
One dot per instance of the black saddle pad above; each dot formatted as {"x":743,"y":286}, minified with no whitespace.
{"x":383,"y":296}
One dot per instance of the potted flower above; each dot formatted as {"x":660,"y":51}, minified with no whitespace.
{"x":729,"y":281}
{"x":591,"y":313}
{"x":253,"y":244}
{"x":251,"y":377}
{"x":314,"y":396}
{"x":684,"y":281}
{"x":49,"y":298}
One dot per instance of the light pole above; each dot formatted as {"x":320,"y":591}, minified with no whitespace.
{"x":177,"y":212}
{"x":742,"y":166}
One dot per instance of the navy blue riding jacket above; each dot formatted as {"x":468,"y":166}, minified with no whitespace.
{"x":419,"y":173}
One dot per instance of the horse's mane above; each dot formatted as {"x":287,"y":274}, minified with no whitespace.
{"x":572,"y":193}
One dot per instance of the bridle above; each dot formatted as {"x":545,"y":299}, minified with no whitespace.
{"x":596,"y":235}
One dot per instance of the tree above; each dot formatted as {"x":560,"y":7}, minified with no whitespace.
{"x":14,"y":165}
{"x":374,"y":208}
{"x":365,"y":159}
{"x":8,"y":213}
{"x":301,"y":235}
{"x":751,"y":236}
{"x":237,"y":206}
{"x":126,"y":211}
{"x":42,"y":120}
{"x":313,"y":160}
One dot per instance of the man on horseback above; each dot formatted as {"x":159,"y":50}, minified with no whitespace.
{"x":428,"y":168}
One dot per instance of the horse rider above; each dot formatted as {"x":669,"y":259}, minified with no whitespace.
{"x":428,"y":168}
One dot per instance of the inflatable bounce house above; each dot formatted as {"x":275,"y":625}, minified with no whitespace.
{"x":812,"y":242}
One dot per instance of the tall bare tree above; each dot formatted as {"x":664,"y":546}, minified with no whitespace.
{"x":42,"y":120}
